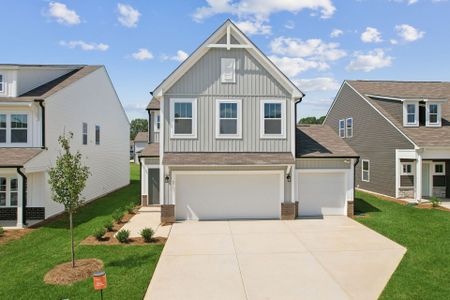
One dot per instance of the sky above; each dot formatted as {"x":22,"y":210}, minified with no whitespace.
{"x":318,"y":44}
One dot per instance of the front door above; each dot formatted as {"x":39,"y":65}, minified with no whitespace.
{"x":426,"y":189}
{"x":153,"y":186}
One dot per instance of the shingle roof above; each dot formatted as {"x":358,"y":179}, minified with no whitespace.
{"x":17,"y":157}
{"x":154,"y":104}
{"x":222,"y":158}
{"x":51,"y":87}
{"x":141,"y":137}
{"x":421,"y":136}
{"x":320,"y":141}
{"x":151,"y":150}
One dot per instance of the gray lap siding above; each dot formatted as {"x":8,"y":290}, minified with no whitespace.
{"x":374,"y":139}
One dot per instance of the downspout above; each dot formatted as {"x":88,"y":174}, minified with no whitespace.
{"x":295,"y":123}
{"x":41,"y":104}
{"x":149,"y":125}
{"x":24,"y":196}
{"x":140,"y":179}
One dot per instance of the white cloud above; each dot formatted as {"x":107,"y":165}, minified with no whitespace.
{"x":128,"y":16}
{"x":181,"y":56}
{"x":375,"y":59}
{"x":409,"y":2}
{"x":314,"y":49}
{"x":142,"y":54}
{"x":336,"y":33}
{"x":262,"y":9}
{"x":371,"y":35}
{"x":254,"y":27}
{"x":84,"y":45}
{"x":409,"y":33}
{"x":292,"y":66}
{"x":317,"y":84}
{"x":393,"y":41}
{"x":289,"y":25}
{"x":62,"y":14}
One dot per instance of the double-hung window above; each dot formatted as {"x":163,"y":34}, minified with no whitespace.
{"x":273,"y":119}
{"x":157,"y":122}
{"x":19,"y":128}
{"x":228,"y":119}
{"x":411,"y":114}
{"x":342,"y":128}
{"x":85,"y":134}
{"x":97,"y":134}
{"x":2,"y":128}
{"x":349,"y":127}
{"x":365,"y":174}
{"x":2,"y":84}
{"x":183,"y":117}
{"x":433,"y":117}
{"x":9,"y":188}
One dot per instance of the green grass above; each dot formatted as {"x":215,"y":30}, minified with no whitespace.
{"x":424,"y":272}
{"x":24,"y":262}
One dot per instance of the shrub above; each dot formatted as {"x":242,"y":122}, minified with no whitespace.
{"x":99,"y":233}
{"x":2,"y":231}
{"x":147,"y":234}
{"x":109,"y":225}
{"x":435,"y":201}
{"x":130,"y":208}
{"x":117,"y":215}
{"x":123,"y":235}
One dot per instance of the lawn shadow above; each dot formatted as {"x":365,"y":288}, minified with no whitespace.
{"x":363,"y":207}
{"x":134,"y":261}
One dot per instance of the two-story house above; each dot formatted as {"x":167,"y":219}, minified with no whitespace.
{"x":38,"y":103}
{"x":401,"y":131}
{"x":139,"y":143}
{"x":224,"y":142}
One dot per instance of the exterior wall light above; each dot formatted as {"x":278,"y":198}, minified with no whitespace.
{"x":288,"y":177}
{"x":167,"y":179}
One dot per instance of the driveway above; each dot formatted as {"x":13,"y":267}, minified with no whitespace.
{"x":330,"y":258}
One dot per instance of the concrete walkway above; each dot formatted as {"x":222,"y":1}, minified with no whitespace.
{"x":147,"y":217}
{"x":330,"y":258}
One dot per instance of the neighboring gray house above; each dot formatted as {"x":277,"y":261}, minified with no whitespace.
{"x":140,"y":141}
{"x":224,"y":142}
{"x":401,"y":131}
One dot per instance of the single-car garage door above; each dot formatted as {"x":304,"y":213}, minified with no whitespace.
{"x":321,"y":193}
{"x":228,"y":195}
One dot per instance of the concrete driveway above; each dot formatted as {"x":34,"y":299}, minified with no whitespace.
{"x":330,"y":258}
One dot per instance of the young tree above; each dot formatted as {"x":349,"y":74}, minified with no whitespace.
{"x":67,"y":180}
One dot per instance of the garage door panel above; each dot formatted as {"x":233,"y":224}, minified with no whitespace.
{"x":321,"y":194}
{"x":227,"y":196}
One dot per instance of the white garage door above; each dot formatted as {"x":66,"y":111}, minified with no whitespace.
{"x":227,"y":195}
{"x":321,"y":194}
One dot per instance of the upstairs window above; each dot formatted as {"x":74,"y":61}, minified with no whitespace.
{"x":273,"y":119}
{"x":85,"y":134}
{"x":157,"y":122}
{"x":2,"y":84}
{"x":228,"y":70}
{"x":19,"y":128}
{"x":228,"y":120}
{"x":183,"y":115}
{"x":411,"y":114}
{"x":97,"y":134}
{"x":2,"y":128}
{"x":342,"y":128}
{"x":349,"y":127}
{"x":433,"y":117}
{"x":365,"y":176}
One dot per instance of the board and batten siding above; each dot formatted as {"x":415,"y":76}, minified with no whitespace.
{"x":253,"y":84}
{"x":374,"y":138}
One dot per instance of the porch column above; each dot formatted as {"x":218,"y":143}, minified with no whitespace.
{"x":419,"y":177}
{"x":19,"y":201}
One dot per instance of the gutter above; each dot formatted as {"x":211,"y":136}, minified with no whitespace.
{"x":41,"y":104}
{"x":24,"y":196}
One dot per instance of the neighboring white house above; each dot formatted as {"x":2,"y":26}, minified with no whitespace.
{"x":228,"y":146}
{"x":139,"y":143}
{"x":38,"y":103}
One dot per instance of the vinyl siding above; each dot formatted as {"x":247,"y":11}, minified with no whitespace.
{"x":373,"y":138}
{"x":253,"y":84}
{"x":321,"y":164}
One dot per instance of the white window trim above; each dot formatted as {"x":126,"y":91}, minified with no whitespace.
{"x":155,"y":126}
{"x":346,"y":128}
{"x":434,"y":168}
{"x":283,"y":120}
{"x":238,"y":134}
{"x":362,"y":170}
{"x":193,"y":135}
{"x":222,"y":63}
{"x":439,"y":115}
{"x":8,"y":114}
{"x":405,"y":114}
{"x":343,"y":128}
{"x":8,"y":190}
{"x":406,"y":163}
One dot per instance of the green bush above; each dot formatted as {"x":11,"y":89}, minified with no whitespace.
{"x":130,"y":208}
{"x":109,"y":225}
{"x":435,"y":201}
{"x":147,"y":234}
{"x":123,"y":235}
{"x":99,"y":233}
{"x":2,"y":231}
{"x":117,"y":215}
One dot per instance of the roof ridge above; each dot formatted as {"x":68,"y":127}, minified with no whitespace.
{"x":396,"y":81}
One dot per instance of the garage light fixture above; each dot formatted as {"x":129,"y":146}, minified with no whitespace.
{"x":167,"y":179}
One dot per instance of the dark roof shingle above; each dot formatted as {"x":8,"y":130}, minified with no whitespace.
{"x":151,"y":150}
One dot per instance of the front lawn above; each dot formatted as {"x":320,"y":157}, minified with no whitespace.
{"x":424,"y":272}
{"x":23,"y":263}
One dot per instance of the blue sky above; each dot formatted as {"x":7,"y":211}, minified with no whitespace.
{"x":317,"y":45}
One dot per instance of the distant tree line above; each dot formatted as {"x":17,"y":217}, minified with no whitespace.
{"x":311,"y":120}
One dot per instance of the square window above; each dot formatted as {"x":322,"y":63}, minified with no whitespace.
{"x":407,"y":168}
{"x":439,"y":169}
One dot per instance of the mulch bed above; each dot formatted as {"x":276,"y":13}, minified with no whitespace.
{"x":430,"y":206}
{"x":13,"y":234}
{"x":64,"y":274}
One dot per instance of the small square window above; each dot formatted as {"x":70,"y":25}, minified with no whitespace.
{"x":439,"y":168}
{"x":407,"y":168}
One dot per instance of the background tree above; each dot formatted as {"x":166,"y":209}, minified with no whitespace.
{"x":67,"y":180}
{"x":138,"y":125}
{"x":311,"y":120}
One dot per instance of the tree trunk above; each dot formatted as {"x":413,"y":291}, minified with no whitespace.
{"x":71,"y":240}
